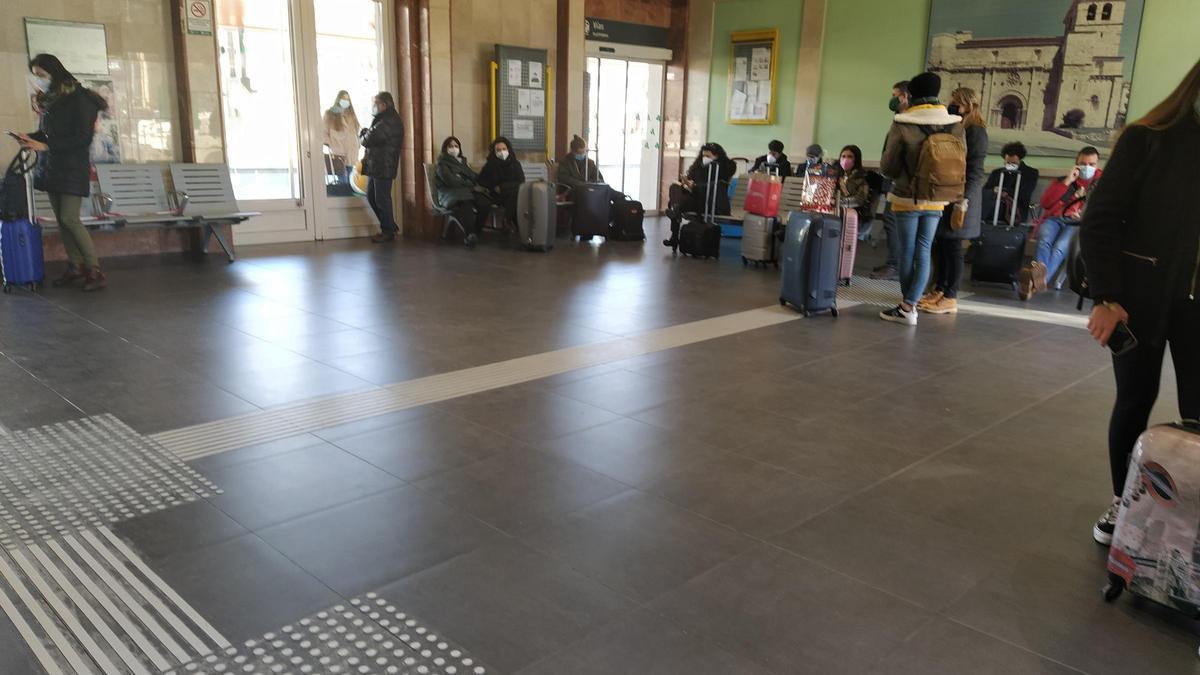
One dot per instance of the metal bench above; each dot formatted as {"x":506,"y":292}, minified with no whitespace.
{"x":135,"y":194}
{"x":87,"y":213}
{"x":204,"y":195}
{"x":438,"y":211}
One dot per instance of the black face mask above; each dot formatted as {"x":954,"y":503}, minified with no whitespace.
{"x":952,"y":109}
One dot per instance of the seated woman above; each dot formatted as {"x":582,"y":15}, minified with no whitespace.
{"x":852,"y":183}
{"x":457,"y":190}
{"x":689,"y":194}
{"x":577,"y":169}
{"x":502,"y":176}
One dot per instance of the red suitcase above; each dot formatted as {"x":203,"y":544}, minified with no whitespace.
{"x":762,"y":195}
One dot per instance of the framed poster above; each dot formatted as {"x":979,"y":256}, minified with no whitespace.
{"x":82,"y":47}
{"x":753,"y":61}
{"x":1052,"y":74}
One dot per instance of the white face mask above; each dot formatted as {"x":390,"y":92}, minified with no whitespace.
{"x":1011,"y":167}
{"x":1086,"y":171}
{"x":452,"y":151}
{"x":706,"y":160}
{"x":344,"y":103}
{"x":501,"y":155}
{"x":771,"y":159}
{"x":40,"y":84}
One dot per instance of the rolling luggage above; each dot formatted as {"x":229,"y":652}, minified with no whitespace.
{"x":1155,"y":550}
{"x":812,"y":253}
{"x":593,"y":209}
{"x":701,"y":237}
{"x":758,"y":240}
{"x":536,"y":215}
{"x":628,"y":215}
{"x":21,"y":256}
{"x":997,"y":254}
{"x":849,"y":244}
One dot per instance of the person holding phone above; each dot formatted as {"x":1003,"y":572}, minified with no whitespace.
{"x":1063,"y":202}
{"x":1140,"y":242}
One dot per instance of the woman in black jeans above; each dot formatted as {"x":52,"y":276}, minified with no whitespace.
{"x":1140,"y":242}
{"x":689,"y":193}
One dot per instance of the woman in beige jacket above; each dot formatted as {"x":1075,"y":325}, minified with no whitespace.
{"x":341,"y":136}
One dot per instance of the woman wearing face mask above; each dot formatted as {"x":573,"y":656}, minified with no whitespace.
{"x":458,"y":190}
{"x":1140,"y":241}
{"x":1062,"y":203}
{"x":502,"y":177}
{"x":381,"y":162}
{"x":690,"y":193}
{"x":341,"y":135}
{"x":852,"y":183}
{"x":947,"y":252}
{"x":577,"y":169}
{"x":775,"y":161}
{"x":1014,"y":167}
{"x":68,"y":121}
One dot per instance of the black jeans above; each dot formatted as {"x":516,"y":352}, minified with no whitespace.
{"x":1138,"y":373}
{"x":948,"y":263}
{"x":379,"y":196}
{"x":473,"y":214}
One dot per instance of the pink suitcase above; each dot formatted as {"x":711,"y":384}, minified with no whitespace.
{"x":849,"y":244}
{"x":1155,"y":550}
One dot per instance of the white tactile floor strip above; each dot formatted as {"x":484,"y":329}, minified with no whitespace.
{"x":277,"y":423}
{"x":87,"y":604}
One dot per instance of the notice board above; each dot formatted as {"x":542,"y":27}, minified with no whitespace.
{"x":521,"y":96}
{"x":752,"y":65}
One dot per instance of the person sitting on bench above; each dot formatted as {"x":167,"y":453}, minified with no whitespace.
{"x":775,"y":161}
{"x":502,"y":177}
{"x":458,"y":191}
{"x":1063,"y":203}
{"x":1014,"y":166}
{"x":688,"y":195}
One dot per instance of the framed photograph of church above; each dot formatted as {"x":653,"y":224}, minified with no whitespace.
{"x":1052,"y":74}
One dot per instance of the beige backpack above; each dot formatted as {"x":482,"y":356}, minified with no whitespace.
{"x":941,"y":167}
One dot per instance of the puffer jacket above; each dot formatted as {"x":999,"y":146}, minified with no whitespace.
{"x":506,"y":174}
{"x":382,"y":142}
{"x":455,"y":181}
{"x":902,"y":148}
{"x":67,"y":126}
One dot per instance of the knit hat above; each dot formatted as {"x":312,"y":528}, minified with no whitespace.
{"x":925,"y":85}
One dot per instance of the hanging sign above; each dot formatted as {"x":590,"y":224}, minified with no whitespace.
{"x":199,"y":17}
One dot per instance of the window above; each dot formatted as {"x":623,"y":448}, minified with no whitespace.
{"x":1091,"y":14}
{"x":1106,"y":13}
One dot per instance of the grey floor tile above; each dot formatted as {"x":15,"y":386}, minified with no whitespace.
{"x":647,"y":644}
{"x":355,"y":547}
{"x":622,"y":392}
{"x":527,"y":413}
{"x":278,"y":386}
{"x":943,"y":647}
{"x":15,"y":655}
{"x":508,"y":604}
{"x":726,"y":424}
{"x":194,"y":525}
{"x":638,"y":545}
{"x":790,"y":615}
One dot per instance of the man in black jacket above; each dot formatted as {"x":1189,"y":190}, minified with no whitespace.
{"x":381,"y":162}
{"x":775,"y":161}
{"x":1014,"y":166}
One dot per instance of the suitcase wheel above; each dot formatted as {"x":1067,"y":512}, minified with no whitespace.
{"x":744,"y":261}
{"x":782,"y":302}
{"x":1114,"y":587}
{"x":7,"y":288}
{"x":833,"y":312}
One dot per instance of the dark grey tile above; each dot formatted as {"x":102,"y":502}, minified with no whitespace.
{"x":507,"y":604}
{"x":947,"y":648}
{"x":790,"y":615}
{"x":632,"y":452}
{"x":273,"y":387}
{"x":728,"y":424}
{"x":638,"y":545}
{"x":643,"y":643}
{"x":15,"y":654}
{"x":278,"y":488}
{"x":177,"y":530}
{"x":527,"y":413}
{"x":622,"y":392}
{"x":355,"y":547}
{"x":521,"y":490}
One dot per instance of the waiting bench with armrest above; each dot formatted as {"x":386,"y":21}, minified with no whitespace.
{"x":435,"y":209}
{"x":206,"y":198}
{"x":88,"y":215}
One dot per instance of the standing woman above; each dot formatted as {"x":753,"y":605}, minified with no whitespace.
{"x":948,"y":247}
{"x":68,"y":113}
{"x":341,"y":135}
{"x":381,"y":162}
{"x":1140,"y":241}
{"x":502,"y":176}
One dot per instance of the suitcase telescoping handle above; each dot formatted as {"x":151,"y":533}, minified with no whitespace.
{"x":710,"y":203}
{"x":1012,"y":216}
{"x":28,"y":160}
{"x":999,"y":198}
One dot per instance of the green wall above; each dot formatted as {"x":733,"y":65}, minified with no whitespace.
{"x":739,"y":15}
{"x":869,"y":44}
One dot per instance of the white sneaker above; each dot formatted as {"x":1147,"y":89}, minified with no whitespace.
{"x":898,"y":314}
{"x":1103,"y":530}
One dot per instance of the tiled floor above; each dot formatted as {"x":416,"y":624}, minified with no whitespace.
{"x":817,"y":496}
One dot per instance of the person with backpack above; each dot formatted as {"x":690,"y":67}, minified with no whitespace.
{"x":925,"y":155}
{"x":1140,"y":241}
{"x":1062,"y":204}
{"x":887,"y":271}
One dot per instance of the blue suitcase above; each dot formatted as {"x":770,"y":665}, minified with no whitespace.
{"x":21,"y":257}
{"x":812,"y":257}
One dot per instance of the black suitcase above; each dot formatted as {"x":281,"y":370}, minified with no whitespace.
{"x":700,"y":236}
{"x":593,"y":208}
{"x":628,"y":215}
{"x":998,"y":253}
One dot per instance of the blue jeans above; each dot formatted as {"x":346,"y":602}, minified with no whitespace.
{"x":379,"y":196}
{"x":893,"y":242}
{"x":914,"y":234}
{"x":1054,"y":242}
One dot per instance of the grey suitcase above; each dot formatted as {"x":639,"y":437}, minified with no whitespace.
{"x":758,"y":240}
{"x":812,"y":257}
{"x":537,"y":215}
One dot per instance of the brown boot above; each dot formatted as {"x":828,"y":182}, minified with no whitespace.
{"x":94,"y":280}
{"x":1039,"y":276}
{"x":1025,"y":286}
{"x":73,"y":275}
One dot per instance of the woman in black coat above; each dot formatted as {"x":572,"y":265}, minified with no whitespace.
{"x":948,"y":247}
{"x":689,"y":194}
{"x":64,"y":139}
{"x":1140,"y":241}
{"x":381,"y":162}
{"x":502,"y":176}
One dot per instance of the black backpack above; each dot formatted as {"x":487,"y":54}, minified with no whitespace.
{"x":1077,"y":274}
{"x":14,"y":192}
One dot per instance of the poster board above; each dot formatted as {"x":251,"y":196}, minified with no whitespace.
{"x":82,"y":47}
{"x":753,"y":62}
{"x":521,"y":96}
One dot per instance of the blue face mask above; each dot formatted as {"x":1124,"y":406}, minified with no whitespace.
{"x":581,"y":156}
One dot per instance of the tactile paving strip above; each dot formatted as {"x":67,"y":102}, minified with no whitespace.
{"x":86,"y":473}
{"x":370,"y":636}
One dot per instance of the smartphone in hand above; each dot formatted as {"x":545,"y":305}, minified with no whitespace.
{"x":1122,"y":340}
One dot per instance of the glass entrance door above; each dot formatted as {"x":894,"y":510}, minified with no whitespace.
{"x":626,"y":131}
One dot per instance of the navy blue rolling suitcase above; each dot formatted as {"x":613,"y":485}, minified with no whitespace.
{"x":21,"y":257}
{"x":812,"y":257}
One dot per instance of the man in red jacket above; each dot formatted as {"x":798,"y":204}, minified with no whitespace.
{"x":1062,"y":209}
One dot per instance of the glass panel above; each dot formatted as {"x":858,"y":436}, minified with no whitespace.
{"x":259,"y":98}
{"x":610,"y":123}
{"x":348,"y":69}
{"x":593,"y":104}
{"x":643,"y":108}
